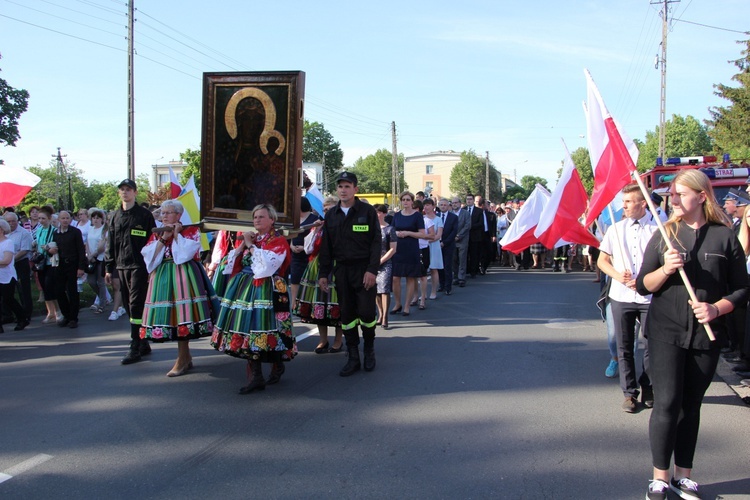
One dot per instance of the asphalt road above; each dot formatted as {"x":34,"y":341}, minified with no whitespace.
{"x":497,"y":391}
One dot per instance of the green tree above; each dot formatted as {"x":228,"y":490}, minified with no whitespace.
{"x":729,"y":126}
{"x":468,"y":176}
{"x":529,"y":182}
{"x":374,"y":172}
{"x":582,"y":161}
{"x":515,"y":192}
{"x":683,"y":137}
{"x":193,"y":159}
{"x":318,"y":146}
{"x":13,"y":103}
{"x":110,"y":198}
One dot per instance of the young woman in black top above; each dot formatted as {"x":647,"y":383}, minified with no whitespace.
{"x":683,"y":358}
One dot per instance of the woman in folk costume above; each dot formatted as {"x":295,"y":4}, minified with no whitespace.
{"x":312,"y":304}
{"x":217,"y":272}
{"x":180,"y":303}
{"x":254,"y":320}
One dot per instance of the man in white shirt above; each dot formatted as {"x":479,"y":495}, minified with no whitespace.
{"x":22,"y":244}
{"x":621,"y":256}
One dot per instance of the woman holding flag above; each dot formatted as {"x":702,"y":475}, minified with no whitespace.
{"x":683,"y":357}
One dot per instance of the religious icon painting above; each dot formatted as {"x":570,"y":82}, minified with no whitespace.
{"x":251,"y":146}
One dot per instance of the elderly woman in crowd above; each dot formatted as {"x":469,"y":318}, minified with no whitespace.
{"x":683,"y":357}
{"x":409,"y":226}
{"x":180,"y":302}
{"x":71,"y":265}
{"x":95,"y":242}
{"x":8,"y":278}
{"x":312,"y":304}
{"x":43,"y":237}
{"x":254,"y":319}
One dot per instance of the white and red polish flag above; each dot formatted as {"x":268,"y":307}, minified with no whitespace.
{"x":15,"y":183}
{"x":175,"y":190}
{"x":560,"y":218}
{"x":613,"y":153}
{"x":520,"y":235}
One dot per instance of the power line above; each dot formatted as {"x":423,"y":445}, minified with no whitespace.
{"x":107,"y":9}
{"x":193,"y":40}
{"x":63,"y":18}
{"x":62,"y":33}
{"x":714,"y":27}
{"x":84,"y":13}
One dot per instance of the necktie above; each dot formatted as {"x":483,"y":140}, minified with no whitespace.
{"x":442,"y":216}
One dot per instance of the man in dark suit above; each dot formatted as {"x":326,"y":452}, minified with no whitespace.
{"x":448,"y":245}
{"x":462,"y":241}
{"x":476,"y":234}
{"x":488,"y":247}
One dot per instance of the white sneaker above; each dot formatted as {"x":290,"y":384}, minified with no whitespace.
{"x":120,"y":311}
{"x":113,"y":316}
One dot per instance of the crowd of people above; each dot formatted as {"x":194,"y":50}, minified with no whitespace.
{"x":342,"y":267}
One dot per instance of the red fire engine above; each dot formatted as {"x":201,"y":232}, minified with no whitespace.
{"x":724,"y":175}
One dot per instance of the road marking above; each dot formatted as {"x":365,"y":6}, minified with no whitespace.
{"x":564,"y":323}
{"x":311,"y":330}
{"x":23,"y":466}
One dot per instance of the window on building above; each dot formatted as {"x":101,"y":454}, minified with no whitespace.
{"x":428,"y":186}
{"x":429,"y":169}
{"x":163,"y":179}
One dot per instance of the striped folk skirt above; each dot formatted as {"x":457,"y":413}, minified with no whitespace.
{"x":180,"y":303}
{"x":313,"y":305}
{"x":254,"y":320}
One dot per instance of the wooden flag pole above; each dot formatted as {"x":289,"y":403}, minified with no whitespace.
{"x":663,"y":232}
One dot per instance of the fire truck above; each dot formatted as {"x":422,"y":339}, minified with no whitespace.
{"x":724,"y":175}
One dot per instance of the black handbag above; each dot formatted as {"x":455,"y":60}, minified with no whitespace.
{"x":39,"y":261}
{"x":91,"y":267}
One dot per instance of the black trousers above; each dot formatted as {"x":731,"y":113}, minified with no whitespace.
{"x":357,"y":304}
{"x":475,"y":252}
{"x":625,"y":314}
{"x":485,"y":251}
{"x":7,"y":291}
{"x":680,"y":378}
{"x":523,"y":259}
{"x":66,"y":290}
{"x":134,"y":286}
{"x":23,"y":271}
{"x":446,"y":274}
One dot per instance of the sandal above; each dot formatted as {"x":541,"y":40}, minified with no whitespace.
{"x":421,"y":305}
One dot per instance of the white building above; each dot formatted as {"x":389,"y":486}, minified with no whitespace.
{"x":160,"y":173}
{"x":431,"y":173}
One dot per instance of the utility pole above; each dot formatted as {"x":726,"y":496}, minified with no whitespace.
{"x":663,"y":63}
{"x":325,"y":175}
{"x":395,"y":177}
{"x":131,"y":97}
{"x":487,"y":176}
{"x":60,"y":176}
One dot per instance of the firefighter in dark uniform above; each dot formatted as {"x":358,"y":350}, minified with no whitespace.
{"x":128,"y":233}
{"x":351,"y":247}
